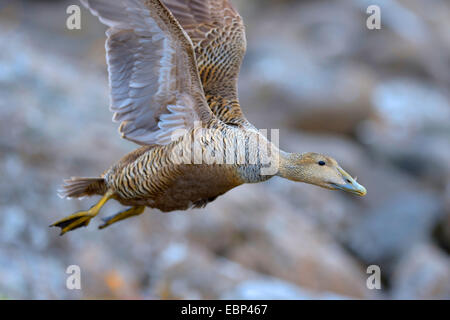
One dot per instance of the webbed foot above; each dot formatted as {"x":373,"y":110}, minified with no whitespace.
{"x":131,"y":212}
{"x":82,"y":218}
{"x":75,"y":221}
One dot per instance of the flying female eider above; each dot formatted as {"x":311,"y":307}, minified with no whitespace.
{"x":173,"y":70}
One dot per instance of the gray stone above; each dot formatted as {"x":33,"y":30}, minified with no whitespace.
{"x":423,"y":273}
{"x":397,"y":224}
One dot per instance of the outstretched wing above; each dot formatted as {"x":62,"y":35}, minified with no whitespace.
{"x":153,"y":75}
{"x":218,"y":34}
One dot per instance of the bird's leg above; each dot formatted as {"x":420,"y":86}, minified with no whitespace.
{"x":82,"y":218}
{"x":131,"y":212}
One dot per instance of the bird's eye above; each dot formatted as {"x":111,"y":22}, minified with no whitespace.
{"x":321,"y":163}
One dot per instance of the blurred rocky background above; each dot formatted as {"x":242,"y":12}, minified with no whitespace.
{"x":376,"y":100}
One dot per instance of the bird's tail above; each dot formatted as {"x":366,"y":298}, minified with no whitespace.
{"x":82,"y":187}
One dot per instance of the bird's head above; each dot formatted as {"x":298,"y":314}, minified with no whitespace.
{"x":319,"y":170}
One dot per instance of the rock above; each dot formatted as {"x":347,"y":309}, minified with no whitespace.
{"x":288,"y":85}
{"x":271,"y":237}
{"x":441,"y":233}
{"x":423,"y":273}
{"x":268,"y":288}
{"x":197,"y":275}
{"x":399,"y":103}
{"x":31,"y":275}
{"x":423,"y":155}
{"x":348,"y":104}
{"x":394,"y":226}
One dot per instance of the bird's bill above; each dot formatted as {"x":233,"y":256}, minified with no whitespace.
{"x":350,"y":185}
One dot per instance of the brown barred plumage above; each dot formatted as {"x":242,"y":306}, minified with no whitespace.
{"x":218,"y":35}
{"x":155,"y":180}
{"x":173,"y":78}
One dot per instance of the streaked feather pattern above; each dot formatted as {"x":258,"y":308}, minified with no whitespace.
{"x":218,"y":35}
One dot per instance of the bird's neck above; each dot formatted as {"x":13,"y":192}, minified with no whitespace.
{"x":281,"y":164}
{"x":289,"y":167}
